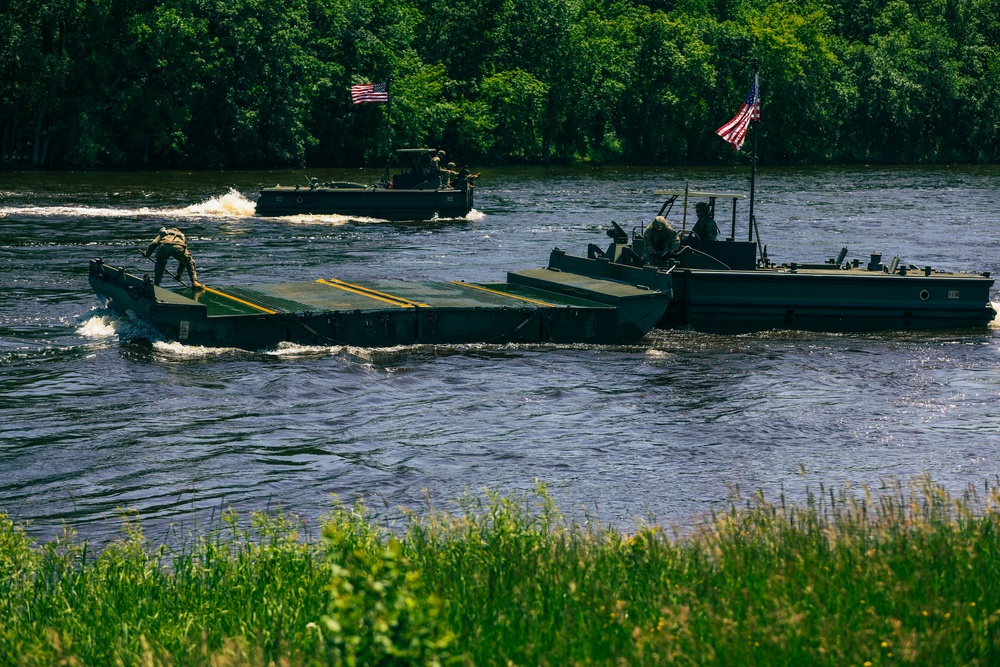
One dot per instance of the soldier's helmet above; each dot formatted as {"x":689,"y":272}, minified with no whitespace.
{"x":660,"y":222}
{"x":701,"y":206}
{"x":441,"y":153}
{"x":451,"y":165}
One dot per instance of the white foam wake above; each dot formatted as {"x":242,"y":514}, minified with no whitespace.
{"x":105,"y":323}
{"x":231,"y":204}
{"x":327,"y":219}
{"x":77,"y":211}
{"x":99,"y":326}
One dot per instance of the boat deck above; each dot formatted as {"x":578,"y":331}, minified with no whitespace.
{"x":534,"y":306}
{"x":331,"y":294}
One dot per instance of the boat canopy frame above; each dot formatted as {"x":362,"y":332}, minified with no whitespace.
{"x":673,"y":195}
{"x":413,"y":167}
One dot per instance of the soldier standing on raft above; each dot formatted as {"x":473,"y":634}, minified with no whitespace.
{"x":172,"y":243}
{"x":438,"y":170}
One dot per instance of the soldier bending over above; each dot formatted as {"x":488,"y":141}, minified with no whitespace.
{"x":172,"y":243}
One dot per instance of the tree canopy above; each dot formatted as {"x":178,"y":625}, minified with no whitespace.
{"x":133,"y":84}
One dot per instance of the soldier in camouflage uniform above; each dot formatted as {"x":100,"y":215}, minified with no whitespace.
{"x":466,"y":179}
{"x":659,"y":240}
{"x":705,"y":229}
{"x":172,"y":243}
{"x":449,"y":172}
{"x":437,"y":169}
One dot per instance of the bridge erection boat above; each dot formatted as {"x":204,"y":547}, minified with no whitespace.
{"x":533,"y":306}
{"x":731,"y":286}
{"x":414,"y":193}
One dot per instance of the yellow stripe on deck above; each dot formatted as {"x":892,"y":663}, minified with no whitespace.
{"x":499,"y":293}
{"x":239,"y":300}
{"x":372,"y":293}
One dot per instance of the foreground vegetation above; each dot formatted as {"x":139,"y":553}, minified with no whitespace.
{"x":902,"y":576}
{"x":249,"y":83}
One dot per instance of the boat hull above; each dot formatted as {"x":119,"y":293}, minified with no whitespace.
{"x":535,"y":306}
{"x":742,"y":301}
{"x":810,"y":299}
{"x":382,"y":203}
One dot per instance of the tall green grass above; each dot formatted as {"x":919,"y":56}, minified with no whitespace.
{"x":242,"y":596}
{"x":901,"y":575}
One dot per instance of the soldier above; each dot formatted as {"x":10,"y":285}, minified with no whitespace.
{"x":172,"y":243}
{"x":466,"y":179}
{"x":705,"y":229}
{"x":438,"y":170}
{"x":659,"y":240}
{"x":450,"y":172}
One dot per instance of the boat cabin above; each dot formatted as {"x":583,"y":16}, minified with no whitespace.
{"x":414,"y":170}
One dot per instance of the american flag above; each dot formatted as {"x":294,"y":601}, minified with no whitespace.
{"x":735,"y":131}
{"x":370,"y":92}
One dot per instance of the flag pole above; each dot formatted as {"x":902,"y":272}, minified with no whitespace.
{"x":388,"y":133}
{"x":753,"y":154}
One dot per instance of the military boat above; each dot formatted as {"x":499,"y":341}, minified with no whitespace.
{"x":414,"y":193}
{"x":732,"y":286}
{"x":533,"y":306}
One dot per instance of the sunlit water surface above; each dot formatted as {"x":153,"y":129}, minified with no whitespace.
{"x":100,"y":416}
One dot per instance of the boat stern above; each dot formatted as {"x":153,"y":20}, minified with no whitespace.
{"x":167,"y":311}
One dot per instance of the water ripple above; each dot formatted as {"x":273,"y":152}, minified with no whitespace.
{"x":101,"y":415}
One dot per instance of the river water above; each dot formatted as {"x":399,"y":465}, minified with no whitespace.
{"x":97,"y":420}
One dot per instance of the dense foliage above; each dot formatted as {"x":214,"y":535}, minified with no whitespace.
{"x":244,"y":83}
{"x":901,"y":576}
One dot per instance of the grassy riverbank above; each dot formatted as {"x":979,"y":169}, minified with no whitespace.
{"x":905,"y":575}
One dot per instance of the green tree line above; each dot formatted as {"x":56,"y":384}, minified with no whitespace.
{"x":127,"y":84}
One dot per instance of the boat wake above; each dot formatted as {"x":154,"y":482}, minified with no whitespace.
{"x":327,"y":219}
{"x":337,"y":220}
{"x":232,"y":204}
{"x":76,"y":211}
{"x":471,"y":216}
{"x":109,"y":324}
{"x":995,"y":324}
{"x":181,"y":351}
{"x":105,"y":323}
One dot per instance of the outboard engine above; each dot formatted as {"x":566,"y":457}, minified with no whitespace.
{"x":617,"y":234}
